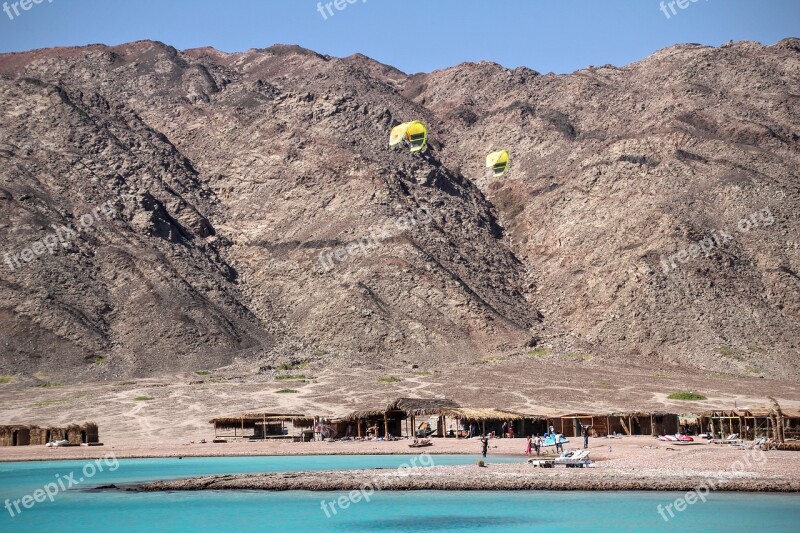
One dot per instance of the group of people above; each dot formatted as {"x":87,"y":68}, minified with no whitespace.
{"x":537,"y":442}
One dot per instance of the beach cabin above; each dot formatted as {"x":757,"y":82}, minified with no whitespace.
{"x":644,"y":423}
{"x":485,"y":420}
{"x":83,"y":434}
{"x":263,"y":426}
{"x":570,"y":425}
{"x":750,"y":423}
{"x":403,"y":417}
{"x":15,"y":435}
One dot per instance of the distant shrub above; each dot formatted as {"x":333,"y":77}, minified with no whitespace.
{"x":7,"y":379}
{"x":660,"y":375}
{"x":202,"y":372}
{"x":389,"y":379}
{"x":727,"y":351}
{"x":286,"y":391}
{"x":293,"y":366}
{"x":291,"y":377}
{"x":142,"y":398}
{"x":50,"y":385}
{"x":603,"y":384}
{"x":690,"y":396}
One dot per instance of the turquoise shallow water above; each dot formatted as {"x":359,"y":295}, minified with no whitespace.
{"x":245,"y":511}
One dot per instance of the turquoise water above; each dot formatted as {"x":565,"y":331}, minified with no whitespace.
{"x":245,"y":511}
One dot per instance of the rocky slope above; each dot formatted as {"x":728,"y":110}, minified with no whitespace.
{"x":245,"y":207}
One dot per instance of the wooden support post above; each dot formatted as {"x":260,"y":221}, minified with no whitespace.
{"x":385,"y":425}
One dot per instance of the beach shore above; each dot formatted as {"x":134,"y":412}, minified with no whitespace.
{"x":628,"y":463}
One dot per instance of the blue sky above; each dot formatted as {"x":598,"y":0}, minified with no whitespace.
{"x":414,"y":35}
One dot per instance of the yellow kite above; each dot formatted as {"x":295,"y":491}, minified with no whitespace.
{"x":414,"y":133}
{"x":498,"y":162}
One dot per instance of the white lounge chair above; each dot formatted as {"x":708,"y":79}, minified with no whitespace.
{"x":578,"y":459}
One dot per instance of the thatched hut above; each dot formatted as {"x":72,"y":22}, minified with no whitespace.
{"x":437,"y":417}
{"x":261,"y":425}
{"x":570,"y":425}
{"x":86,"y":433}
{"x":15,"y":435}
{"x":643,"y":423}
{"x":485,"y":420}
{"x":375,"y":421}
{"x":751,"y":423}
{"x":41,"y":436}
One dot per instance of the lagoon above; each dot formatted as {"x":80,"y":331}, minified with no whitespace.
{"x":244,"y":511}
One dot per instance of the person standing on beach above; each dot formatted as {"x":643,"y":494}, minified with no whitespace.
{"x":528,"y":447}
{"x":484,"y":445}
{"x":505,"y":429}
{"x":537,"y":444}
{"x":559,"y":444}
{"x":586,"y":436}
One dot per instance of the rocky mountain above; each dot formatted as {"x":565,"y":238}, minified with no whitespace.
{"x":166,"y":210}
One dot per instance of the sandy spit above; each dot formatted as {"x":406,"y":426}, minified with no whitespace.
{"x":472,"y":477}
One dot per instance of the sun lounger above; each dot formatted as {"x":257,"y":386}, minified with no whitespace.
{"x":578,"y":459}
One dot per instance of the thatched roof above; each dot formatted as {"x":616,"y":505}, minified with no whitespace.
{"x":422,"y":406}
{"x":249,"y":420}
{"x":590,"y":415}
{"x":639,"y":413}
{"x":758,"y":412}
{"x":405,"y":407}
{"x":480,"y":414}
{"x":373,"y":412}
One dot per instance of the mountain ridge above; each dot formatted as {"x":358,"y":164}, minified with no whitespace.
{"x":231,"y":173}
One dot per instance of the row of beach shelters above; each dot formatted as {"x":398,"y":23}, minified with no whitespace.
{"x":264,"y":426}
{"x":750,"y":423}
{"x":434,"y":417}
{"x":25,"y":435}
{"x":622,"y":423}
{"x":445,"y":418}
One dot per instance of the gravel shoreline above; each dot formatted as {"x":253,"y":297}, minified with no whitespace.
{"x":492,"y":477}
